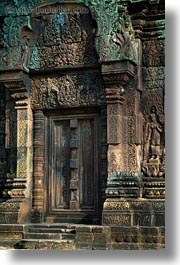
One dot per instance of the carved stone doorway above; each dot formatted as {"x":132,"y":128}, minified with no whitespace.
{"x":72,"y":168}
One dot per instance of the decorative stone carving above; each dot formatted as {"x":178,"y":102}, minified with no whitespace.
{"x":21,"y":172}
{"x":124,"y":36}
{"x":154,"y":78}
{"x":153,"y":132}
{"x":152,"y":98}
{"x":154,"y":187}
{"x":124,"y":184}
{"x":144,"y":212}
{"x":154,"y":148}
{"x":114,"y":123}
{"x":153,"y":164}
{"x":115,"y":38}
{"x":66,"y":37}
{"x":67,"y":91}
{"x":153,"y":53}
{"x":117,"y":219}
{"x":17,"y":39}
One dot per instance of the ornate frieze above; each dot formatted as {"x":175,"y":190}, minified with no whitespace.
{"x":133,"y":212}
{"x":117,"y":219}
{"x":113,"y":204}
{"x":69,"y":90}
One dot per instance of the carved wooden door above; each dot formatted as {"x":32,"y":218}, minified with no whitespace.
{"x":73,"y":168}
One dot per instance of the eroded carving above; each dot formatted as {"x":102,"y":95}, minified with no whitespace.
{"x":124,"y":184}
{"x":154,"y":53}
{"x":67,"y":91}
{"x":115,"y":38}
{"x":117,"y":219}
{"x":154,"y":78}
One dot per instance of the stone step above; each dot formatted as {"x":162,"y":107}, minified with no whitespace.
{"x":42,"y":236}
{"x":53,"y":236}
{"x":34,"y":244}
{"x":50,"y":230}
{"x":54,"y":225}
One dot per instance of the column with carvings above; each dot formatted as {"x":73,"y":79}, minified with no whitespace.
{"x":19,"y":178}
{"x":135,"y":184}
{"x":124,"y":179}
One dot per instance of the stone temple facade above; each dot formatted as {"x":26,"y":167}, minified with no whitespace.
{"x":82,"y":146}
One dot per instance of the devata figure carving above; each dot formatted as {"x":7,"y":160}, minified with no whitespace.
{"x":152,"y":136}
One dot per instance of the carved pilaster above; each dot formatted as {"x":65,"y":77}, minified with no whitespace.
{"x":19,"y":188}
{"x":122,"y":183}
{"x":116,"y":75}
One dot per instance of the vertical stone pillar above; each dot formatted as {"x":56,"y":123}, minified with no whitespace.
{"x":20,"y":181}
{"x":116,"y":76}
{"x":24,"y":154}
{"x":123,"y":181}
{"x":114,"y":100}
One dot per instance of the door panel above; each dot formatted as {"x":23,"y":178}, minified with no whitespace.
{"x":61,"y":154}
{"x":73,"y":167}
{"x":87,"y":159}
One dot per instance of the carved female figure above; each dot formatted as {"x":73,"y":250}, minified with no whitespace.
{"x":153,"y":132}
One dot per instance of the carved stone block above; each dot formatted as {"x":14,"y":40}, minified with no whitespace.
{"x":142,"y":212}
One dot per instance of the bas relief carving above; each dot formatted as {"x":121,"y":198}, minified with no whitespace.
{"x":49,"y":35}
{"x":123,"y":36}
{"x":153,"y":132}
{"x":154,"y":146}
{"x":67,"y":91}
{"x":77,"y":43}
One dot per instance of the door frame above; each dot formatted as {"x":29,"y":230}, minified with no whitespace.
{"x":78,"y":216}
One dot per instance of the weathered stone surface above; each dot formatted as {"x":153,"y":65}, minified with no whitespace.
{"x":82,"y":124}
